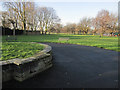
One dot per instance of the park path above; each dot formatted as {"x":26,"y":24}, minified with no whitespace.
{"x":75,"y":66}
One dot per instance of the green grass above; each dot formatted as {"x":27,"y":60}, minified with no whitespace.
{"x":105,"y":42}
{"x":11,"y":50}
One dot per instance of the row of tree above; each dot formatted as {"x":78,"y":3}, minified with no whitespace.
{"x":28,"y":16}
{"x":104,"y":23}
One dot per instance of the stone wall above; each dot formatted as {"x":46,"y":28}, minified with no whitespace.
{"x":22,"y":69}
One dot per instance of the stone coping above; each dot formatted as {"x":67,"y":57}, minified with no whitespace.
{"x":41,"y":54}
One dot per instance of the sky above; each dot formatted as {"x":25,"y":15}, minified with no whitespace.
{"x":72,"y":12}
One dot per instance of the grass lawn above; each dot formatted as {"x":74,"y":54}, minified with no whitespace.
{"x":12,"y":50}
{"x":105,"y":42}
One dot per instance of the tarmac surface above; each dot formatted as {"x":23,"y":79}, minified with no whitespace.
{"x":75,"y":66}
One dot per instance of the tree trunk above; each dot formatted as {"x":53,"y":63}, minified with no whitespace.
{"x":73,"y":32}
{"x":101,"y":34}
{"x":45,"y":32}
{"x":42,"y":32}
{"x":24,"y":27}
{"x":14,"y":30}
{"x":16,"y":25}
{"x":49,"y":33}
{"x":24,"y":20}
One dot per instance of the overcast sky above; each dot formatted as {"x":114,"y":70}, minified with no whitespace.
{"x":73,"y":11}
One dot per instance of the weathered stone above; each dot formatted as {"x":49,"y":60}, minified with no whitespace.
{"x":22,"y":69}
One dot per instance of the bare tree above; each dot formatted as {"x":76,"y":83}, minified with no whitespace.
{"x":47,"y":18}
{"x":73,"y":28}
{"x":105,"y":22}
{"x":95,"y":25}
{"x":0,"y":18}
{"x":65,"y":29}
{"x":26,"y":15}
{"x":103,"y":19}
{"x":21,"y":9}
{"x":113,"y":23}
{"x":4,"y":19}
{"x":58,"y":28}
{"x":31,"y":18}
{"x":69,"y":28}
{"x":85,"y":24}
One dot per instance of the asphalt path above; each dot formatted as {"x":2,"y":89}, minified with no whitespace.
{"x":75,"y":66}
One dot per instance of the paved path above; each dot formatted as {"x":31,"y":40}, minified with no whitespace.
{"x":76,"y":66}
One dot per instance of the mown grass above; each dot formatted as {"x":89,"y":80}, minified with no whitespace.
{"x":105,"y":42}
{"x":11,"y":50}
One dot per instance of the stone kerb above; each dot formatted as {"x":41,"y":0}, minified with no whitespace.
{"x":22,"y":69}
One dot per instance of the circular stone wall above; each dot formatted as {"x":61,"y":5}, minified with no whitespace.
{"x":21,"y":69}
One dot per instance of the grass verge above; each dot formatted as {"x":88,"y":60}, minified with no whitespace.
{"x":105,"y":42}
